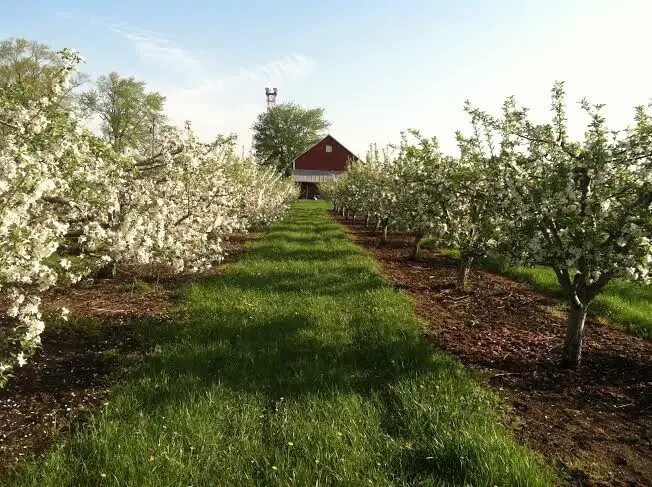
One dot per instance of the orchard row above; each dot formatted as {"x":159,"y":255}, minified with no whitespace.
{"x":524,"y":191}
{"x":71,"y":205}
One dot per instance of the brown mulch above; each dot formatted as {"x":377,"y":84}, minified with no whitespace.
{"x":69,"y":378}
{"x":594,"y":423}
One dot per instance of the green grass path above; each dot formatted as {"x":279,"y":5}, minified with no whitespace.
{"x":299,"y":366}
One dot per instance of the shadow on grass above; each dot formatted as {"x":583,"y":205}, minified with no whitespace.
{"x":305,"y":315}
{"x":301,"y":340}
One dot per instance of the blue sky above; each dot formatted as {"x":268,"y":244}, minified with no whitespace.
{"x":377,"y":67}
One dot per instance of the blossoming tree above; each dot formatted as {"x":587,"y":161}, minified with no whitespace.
{"x":584,"y":208}
{"x":529,"y":192}
{"x":69,"y":205}
{"x":423,"y":188}
{"x":474,"y":193}
{"x":50,"y":177}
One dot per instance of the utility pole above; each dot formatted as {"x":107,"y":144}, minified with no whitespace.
{"x":153,"y":132}
{"x":187,"y":125}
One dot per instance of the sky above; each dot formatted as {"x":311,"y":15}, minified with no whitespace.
{"x":377,"y":67}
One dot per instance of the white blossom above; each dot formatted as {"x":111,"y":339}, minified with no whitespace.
{"x":65,"y":193}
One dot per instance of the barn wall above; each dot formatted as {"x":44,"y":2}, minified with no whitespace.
{"x":318,"y":159}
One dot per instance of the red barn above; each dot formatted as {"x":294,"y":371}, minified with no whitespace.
{"x":325,"y":160}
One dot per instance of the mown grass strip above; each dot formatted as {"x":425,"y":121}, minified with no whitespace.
{"x":300,"y":366}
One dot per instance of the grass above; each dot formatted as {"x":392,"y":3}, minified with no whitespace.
{"x":138,"y":286}
{"x":299,"y":366}
{"x":84,"y":325}
{"x":624,"y":304}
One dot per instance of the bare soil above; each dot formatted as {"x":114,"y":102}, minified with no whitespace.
{"x":70,"y":377}
{"x":594,"y":423}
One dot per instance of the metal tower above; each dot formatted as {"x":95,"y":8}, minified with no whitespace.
{"x":271,"y":96}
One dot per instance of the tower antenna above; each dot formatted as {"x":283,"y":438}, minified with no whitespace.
{"x":271,"y":96}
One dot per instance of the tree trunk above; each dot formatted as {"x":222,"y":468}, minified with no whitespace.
{"x":344,"y":211}
{"x":383,"y":237}
{"x":573,"y":343}
{"x":463,"y":272}
{"x":366,"y":221}
{"x":377,"y":224}
{"x":107,"y":271}
{"x":416,"y":246}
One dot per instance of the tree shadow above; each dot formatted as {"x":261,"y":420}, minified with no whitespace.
{"x":310,"y":317}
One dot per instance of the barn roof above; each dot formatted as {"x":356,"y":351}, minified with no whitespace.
{"x":328,"y":136}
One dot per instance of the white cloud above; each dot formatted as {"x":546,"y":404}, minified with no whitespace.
{"x":155,"y":48}
{"x":216,"y":100}
{"x":292,"y":66}
{"x":373,"y":93}
{"x":226,"y":102}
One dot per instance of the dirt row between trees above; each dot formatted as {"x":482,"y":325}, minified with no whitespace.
{"x":69,"y":378}
{"x":595,"y":423}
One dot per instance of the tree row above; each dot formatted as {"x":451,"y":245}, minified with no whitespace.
{"x":74,"y":204}
{"x":522,"y":190}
